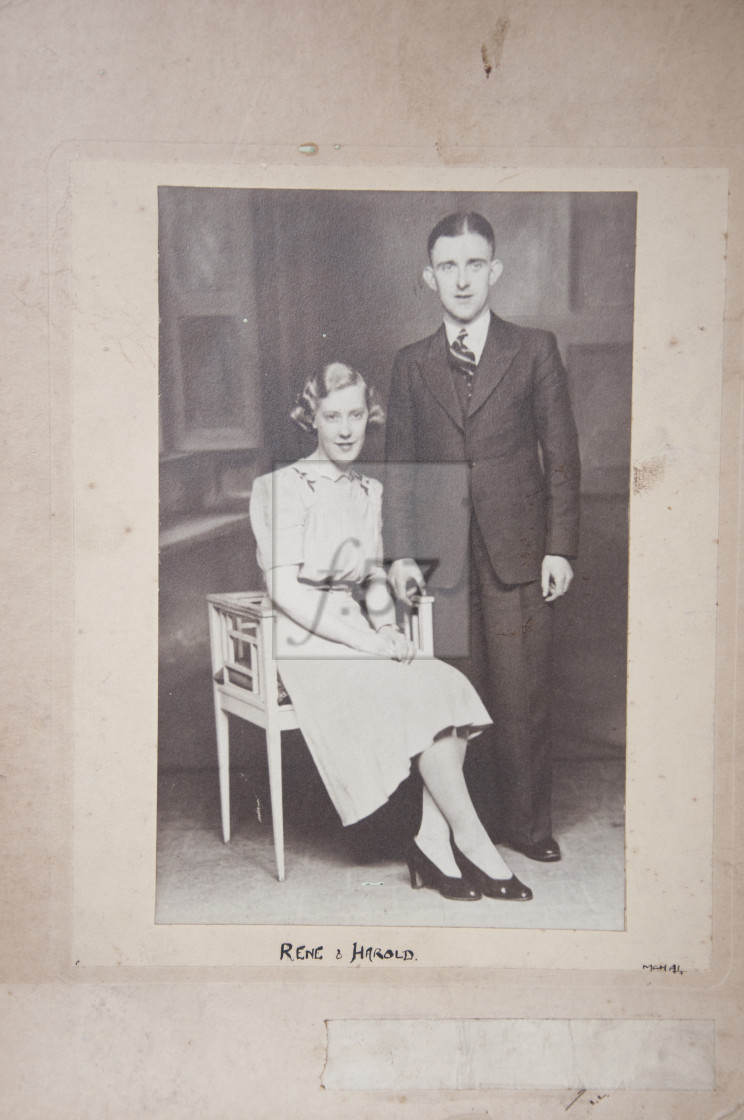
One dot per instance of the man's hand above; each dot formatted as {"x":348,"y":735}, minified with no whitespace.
{"x":406,"y":580}
{"x":557,"y":574}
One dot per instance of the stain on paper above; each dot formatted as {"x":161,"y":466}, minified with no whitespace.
{"x":649,"y":474}
{"x":493,"y":48}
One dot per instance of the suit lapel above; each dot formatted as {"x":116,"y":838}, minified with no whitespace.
{"x":502,"y":346}
{"x":438,"y":375}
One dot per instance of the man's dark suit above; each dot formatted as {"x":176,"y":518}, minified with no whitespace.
{"x":509,"y":497}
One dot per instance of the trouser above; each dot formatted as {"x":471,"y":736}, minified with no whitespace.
{"x":508,"y":768}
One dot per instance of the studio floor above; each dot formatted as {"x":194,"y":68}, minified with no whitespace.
{"x":354,"y":877}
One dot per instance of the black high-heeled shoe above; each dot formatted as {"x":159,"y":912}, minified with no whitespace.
{"x":425,"y":873}
{"x":510,"y":890}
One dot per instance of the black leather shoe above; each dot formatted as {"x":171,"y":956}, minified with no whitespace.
{"x":545,"y":851}
{"x":510,"y":890}
{"x":425,"y":873}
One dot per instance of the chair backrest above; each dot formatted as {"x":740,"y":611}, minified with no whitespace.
{"x":239,"y":630}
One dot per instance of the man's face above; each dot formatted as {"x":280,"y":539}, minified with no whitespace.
{"x":461,"y":272}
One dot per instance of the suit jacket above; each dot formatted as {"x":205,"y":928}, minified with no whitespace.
{"x":513,"y":459}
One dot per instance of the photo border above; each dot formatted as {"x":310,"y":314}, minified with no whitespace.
{"x":681,"y":211}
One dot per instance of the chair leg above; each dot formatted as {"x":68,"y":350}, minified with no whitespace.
{"x":274,"y":753}
{"x":223,"y":762}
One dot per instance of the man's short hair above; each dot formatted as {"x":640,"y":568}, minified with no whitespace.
{"x":454,"y":225}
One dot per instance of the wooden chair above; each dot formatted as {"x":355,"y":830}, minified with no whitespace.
{"x":246,"y":684}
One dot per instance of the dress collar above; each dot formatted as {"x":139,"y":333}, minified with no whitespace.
{"x":324,"y":468}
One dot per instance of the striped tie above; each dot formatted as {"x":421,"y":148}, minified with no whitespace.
{"x":463,"y":355}
{"x":464,"y":362}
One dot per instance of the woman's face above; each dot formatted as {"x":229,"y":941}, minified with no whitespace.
{"x":341,"y":423}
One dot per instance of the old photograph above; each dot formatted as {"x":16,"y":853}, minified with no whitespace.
{"x":393,"y":581}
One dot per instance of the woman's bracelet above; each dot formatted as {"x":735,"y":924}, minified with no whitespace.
{"x":393,"y":624}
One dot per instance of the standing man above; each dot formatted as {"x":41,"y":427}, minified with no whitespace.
{"x":483,"y":487}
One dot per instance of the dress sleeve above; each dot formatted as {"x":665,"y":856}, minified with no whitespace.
{"x":278,"y":516}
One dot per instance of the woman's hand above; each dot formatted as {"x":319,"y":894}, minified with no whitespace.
{"x":396,"y":645}
{"x":307,"y":608}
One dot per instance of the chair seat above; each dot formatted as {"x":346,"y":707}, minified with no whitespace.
{"x":246,"y":684}
{"x":242,"y":680}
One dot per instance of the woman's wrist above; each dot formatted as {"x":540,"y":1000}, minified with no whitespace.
{"x":385,"y":625}
{"x":373,"y":643}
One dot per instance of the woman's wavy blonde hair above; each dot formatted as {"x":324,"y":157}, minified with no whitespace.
{"x":336,"y":375}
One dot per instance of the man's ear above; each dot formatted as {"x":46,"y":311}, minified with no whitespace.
{"x":495,"y":271}
{"x":430,"y":278}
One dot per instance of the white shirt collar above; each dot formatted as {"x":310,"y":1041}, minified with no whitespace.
{"x":477,"y":332}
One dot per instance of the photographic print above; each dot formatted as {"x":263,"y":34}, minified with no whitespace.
{"x":471,"y":464}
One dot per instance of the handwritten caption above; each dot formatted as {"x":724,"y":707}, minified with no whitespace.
{"x":664,"y":968}
{"x":356,"y":954}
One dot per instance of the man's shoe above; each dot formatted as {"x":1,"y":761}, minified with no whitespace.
{"x":545,"y":851}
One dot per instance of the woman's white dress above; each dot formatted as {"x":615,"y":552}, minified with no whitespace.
{"x":363,"y":718}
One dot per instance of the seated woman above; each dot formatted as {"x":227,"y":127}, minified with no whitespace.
{"x":366,"y":704}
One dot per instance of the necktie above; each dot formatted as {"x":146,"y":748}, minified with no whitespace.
{"x":463,"y":359}
{"x":464,"y":356}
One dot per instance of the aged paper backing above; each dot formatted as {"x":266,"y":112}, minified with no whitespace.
{"x":107,"y":1014}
